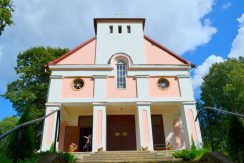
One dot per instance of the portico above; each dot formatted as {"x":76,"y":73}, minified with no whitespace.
{"x":133,"y":126}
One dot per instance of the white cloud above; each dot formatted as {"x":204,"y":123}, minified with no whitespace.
{"x":236,"y":51}
{"x":226,"y":5}
{"x":179,"y":25}
{"x":237,"y":48}
{"x":203,"y":69}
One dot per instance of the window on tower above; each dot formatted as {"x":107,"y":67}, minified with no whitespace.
{"x":110,"y":29}
{"x":121,"y":74}
{"x":128,"y":29}
{"x":120,"y":29}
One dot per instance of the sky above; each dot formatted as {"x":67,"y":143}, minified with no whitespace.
{"x":201,"y":31}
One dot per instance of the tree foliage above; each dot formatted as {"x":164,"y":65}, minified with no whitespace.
{"x":223,"y":86}
{"x":6,"y":10}
{"x":217,"y":120}
{"x":5,"y":125}
{"x":29,"y":91}
{"x":236,"y":141}
{"x":21,"y":145}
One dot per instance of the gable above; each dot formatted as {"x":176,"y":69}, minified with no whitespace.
{"x":86,"y":54}
{"x":157,"y":54}
{"x":82,"y":54}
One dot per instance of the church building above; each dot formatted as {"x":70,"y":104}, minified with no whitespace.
{"x":123,"y":90}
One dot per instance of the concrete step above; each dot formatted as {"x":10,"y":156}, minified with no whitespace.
{"x":133,"y":157}
{"x":130,"y":161}
{"x":126,"y":156}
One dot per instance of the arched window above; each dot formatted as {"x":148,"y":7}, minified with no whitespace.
{"x":121,"y":74}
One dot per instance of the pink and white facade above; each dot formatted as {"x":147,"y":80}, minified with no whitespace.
{"x":132,"y":89}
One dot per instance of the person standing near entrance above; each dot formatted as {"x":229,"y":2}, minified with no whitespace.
{"x":88,"y":144}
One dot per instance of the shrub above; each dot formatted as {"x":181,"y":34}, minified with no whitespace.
{"x":4,"y":158}
{"x":68,"y":157}
{"x":190,"y":154}
{"x":34,"y":158}
{"x":235,"y":139}
{"x":21,"y":144}
{"x":52,"y":148}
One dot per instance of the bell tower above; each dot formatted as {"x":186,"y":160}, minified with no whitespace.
{"x":119,"y":35}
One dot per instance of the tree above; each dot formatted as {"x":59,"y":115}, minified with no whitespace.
{"x":236,"y":141}
{"x":21,"y":145}
{"x":5,"y":125}
{"x":211,"y":122}
{"x":223,"y":86}
{"x":29,"y":91}
{"x":6,"y":10}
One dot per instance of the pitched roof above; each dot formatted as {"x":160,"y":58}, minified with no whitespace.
{"x":168,"y":51}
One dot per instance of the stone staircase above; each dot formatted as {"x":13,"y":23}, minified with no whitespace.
{"x":126,"y":156}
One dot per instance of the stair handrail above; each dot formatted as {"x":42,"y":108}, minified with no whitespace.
{"x":216,"y":109}
{"x":26,"y":124}
{"x":209,"y":119}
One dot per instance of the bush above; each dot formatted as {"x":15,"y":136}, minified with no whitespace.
{"x":52,"y":148}
{"x":5,"y":125}
{"x":34,"y":158}
{"x":235,"y":139}
{"x":21,"y":144}
{"x":4,"y":158}
{"x":190,"y":154}
{"x":68,"y":157}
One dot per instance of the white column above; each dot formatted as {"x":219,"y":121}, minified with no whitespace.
{"x":99,"y":127}
{"x":186,"y":89}
{"x":187,"y":128}
{"x":54,"y":90}
{"x":145,"y":125}
{"x":49,"y":127}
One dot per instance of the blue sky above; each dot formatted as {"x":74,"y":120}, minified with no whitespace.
{"x":201,"y":31}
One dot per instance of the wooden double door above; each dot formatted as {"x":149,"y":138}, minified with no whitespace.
{"x":121,"y":134}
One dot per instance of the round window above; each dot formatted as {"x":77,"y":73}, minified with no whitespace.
{"x":78,"y":84}
{"x":163,"y":83}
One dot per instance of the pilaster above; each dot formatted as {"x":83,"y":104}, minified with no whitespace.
{"x":49,"y":127}
{"x":191,"y":128}
{"x":99,"y":127}
{"x":145,"y":125}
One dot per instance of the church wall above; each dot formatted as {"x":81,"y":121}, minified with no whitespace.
{"x":67,"y":91}
{"x":155,"y":55}
{"x":84,"y":55}
{"x":171,"y":91}
{"x":114,"y":92}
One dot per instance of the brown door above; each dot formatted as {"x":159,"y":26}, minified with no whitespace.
{"x":121,"y":133}
{"x":71,"y":135}
{"x":158,"y":132}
